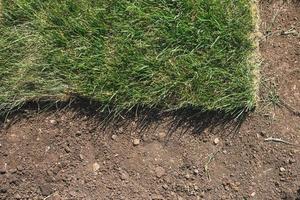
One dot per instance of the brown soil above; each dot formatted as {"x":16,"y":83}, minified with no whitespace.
{"x":66,"y":154}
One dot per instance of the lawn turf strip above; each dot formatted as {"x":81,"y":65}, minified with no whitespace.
{"x":155,"y":53}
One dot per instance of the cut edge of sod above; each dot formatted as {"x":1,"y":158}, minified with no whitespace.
{"x":254,"y":59}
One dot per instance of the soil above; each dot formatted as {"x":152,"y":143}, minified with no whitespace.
{"x":68,"y":154}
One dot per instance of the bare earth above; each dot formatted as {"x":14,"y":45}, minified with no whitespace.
{"x":66,"y":154}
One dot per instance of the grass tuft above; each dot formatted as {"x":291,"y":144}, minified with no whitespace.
{"x":155,"y":53}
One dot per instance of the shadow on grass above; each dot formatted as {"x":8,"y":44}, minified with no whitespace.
{"x":186,"y":120}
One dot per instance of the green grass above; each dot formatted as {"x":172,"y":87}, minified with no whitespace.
{"x":155,"y":53}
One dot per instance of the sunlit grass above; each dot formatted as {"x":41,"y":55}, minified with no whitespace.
{"x":163,"y":53}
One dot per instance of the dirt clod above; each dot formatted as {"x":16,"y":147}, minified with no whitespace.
{"x":96,"y":167}
{"x":216,"y":141}
{"x":114,"y":137}
{"x":46,"y":189}
{"x":159,"y":171}
{"x":136,"y":142}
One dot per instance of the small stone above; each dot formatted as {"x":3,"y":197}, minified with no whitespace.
{"x":13,"y":170}
{"x":165,"y":186}
{"x":17,"y":196}
{"x":67,"y":149}
{"x":96,"y":167}
{"x":46,"y":189}
{"x":253,"y":194}
{"x":234,"y":187}
{"x":262,"y":133}
{"x":136,"y":142}
{"x":3,"y":170}
{"x":114,"y":137}
{"x":78,"y":133}
{"x":226,"y":187}
{"x":20,"y":168}
{"x":14,"y":180}
{"x":216,"y":141}
{"x":196,"y":171}
{"x":282,"y":169}
{"x":159,"y":171}
{"x":187,"y":176}
{"x":162,"y":135}
{"x":81,"y":157}
{"x":121,"y":130}
{"x":52,"y":121}
{"x":202,"y":194}
{"x":124,"y":176}
{"x":291,"y":161}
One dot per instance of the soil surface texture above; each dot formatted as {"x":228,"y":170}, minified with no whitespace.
{"x":68,"y":154}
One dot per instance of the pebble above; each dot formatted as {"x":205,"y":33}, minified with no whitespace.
{"x":121,"y":130}
{"x":159,"y":171}
{"x":13,"y":170}
{"x":282,"y":169}
{"x":165,"y":186}
{"x":52,"y":121}
{"x":136,"y":142}
{"x":78,"y":133}
{"x":67,"y":149}
{"x":196,"y":171}
{"x":114,"y":137}
{"x":20,"y":168}
{"x":124,"y":176}
{"x":96,"y":167}
{"x":216,"y":141}
{"x":162,"y":135}
{"x":3,"y":170}
{"x":253,"y":194}
{"x":81,"y":157}
{"x":187,"y":176}
{"x":291,"y":161}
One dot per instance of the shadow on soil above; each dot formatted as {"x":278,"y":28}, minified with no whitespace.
{"x":187,"y":120}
